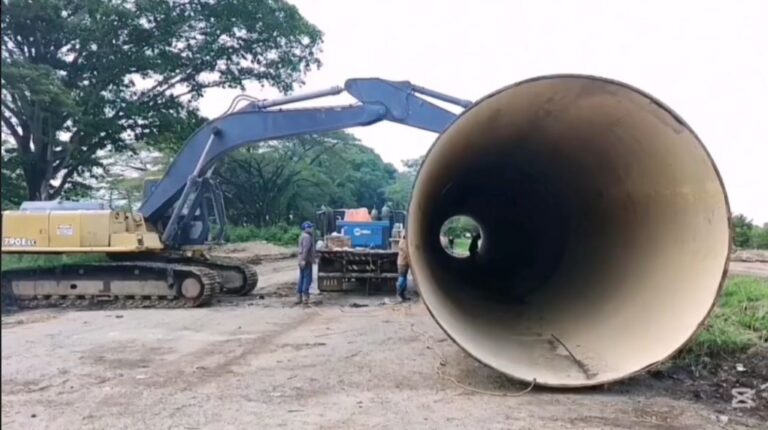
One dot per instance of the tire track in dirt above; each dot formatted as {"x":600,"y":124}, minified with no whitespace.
{"x":251,"y":348}
{"x":200,"y":369}
{"x":205,"y":365}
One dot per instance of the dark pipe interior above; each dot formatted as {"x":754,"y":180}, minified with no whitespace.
{"x":605,"y":231}
{"x":526,"y":218}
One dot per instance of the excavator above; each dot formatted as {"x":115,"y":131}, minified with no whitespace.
{"x":158,"y":255}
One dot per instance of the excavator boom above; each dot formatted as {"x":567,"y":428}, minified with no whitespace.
{"x":379,"y":100}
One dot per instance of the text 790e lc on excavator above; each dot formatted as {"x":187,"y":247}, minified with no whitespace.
{"x":157,"y":254}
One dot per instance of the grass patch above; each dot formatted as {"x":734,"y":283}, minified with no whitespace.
{"x":29,"y":261}
{"x":738,"y":323}
{"x":280,"y":234}
{"x":461,"y":247}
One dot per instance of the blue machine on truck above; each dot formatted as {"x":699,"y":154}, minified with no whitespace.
{"x":369,"y":235}
{"x":368,"y":256}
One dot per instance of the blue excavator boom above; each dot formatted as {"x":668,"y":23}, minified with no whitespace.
{"x":175,"y":200}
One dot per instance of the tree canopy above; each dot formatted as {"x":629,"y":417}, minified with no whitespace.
{"x":273,"y":182}
{"x":82,"y":77}
{"x":289,"y":179}
{"x":748,"y":235}
{"x":399,"y":192}
{"x":99,"y":95}
{"x":12,"y":180}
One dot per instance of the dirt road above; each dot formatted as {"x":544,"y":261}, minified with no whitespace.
{"x":744,"y":268}
{"x":350,"y":362}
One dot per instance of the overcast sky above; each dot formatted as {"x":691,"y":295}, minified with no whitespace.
{"x":708,"y":60}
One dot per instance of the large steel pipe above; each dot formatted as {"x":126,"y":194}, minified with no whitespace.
{"x":605,"y":231}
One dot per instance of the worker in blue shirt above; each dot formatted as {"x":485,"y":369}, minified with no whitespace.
{"x":306,"y":259}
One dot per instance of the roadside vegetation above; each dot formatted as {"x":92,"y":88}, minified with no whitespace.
{"x":747,"y":234}
{"x":281,"y":234}
{"x":461,"y":246}
{"x":737,"y":325}
{"x":17,"y":261}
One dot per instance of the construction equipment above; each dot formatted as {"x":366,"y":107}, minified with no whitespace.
{"x":605,"y":224}
{"x":357,"y":251}
{"x":159,"y":253}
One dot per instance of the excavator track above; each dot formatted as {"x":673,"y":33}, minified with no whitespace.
{"x":237,"y":278}
{"x":243,"y":285}
{"x":111,"y":286}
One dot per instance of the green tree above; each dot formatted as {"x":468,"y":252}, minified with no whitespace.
{"x":125,"y":174}
{"x":399,"y":192}
{"x":12,"y":180}
{"x":460,"y":226}
{"x":742,"y":231}
{"x":358,"y":175}
{"x":262,"y":181}
{"x":288,"y":180}
{"x":80,"y":77}
{"x":760,"y":238}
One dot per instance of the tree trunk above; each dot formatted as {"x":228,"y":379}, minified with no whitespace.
{"x":37,"y":162}
{"x":34,"y":181}
{"x":37,"y":180}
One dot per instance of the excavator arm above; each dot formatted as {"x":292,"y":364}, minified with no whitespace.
{"x":177,"y":197}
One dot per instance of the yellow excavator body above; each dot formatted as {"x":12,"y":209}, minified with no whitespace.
{"x":82,"y":231}
{"x":140,"y":272}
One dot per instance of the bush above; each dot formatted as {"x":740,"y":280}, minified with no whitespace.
{"x":747,"y":235}
{"x":280,"y":234}
{"x":759,"y":238}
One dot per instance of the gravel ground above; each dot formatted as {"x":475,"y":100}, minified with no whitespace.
{"x":346,"y":362}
